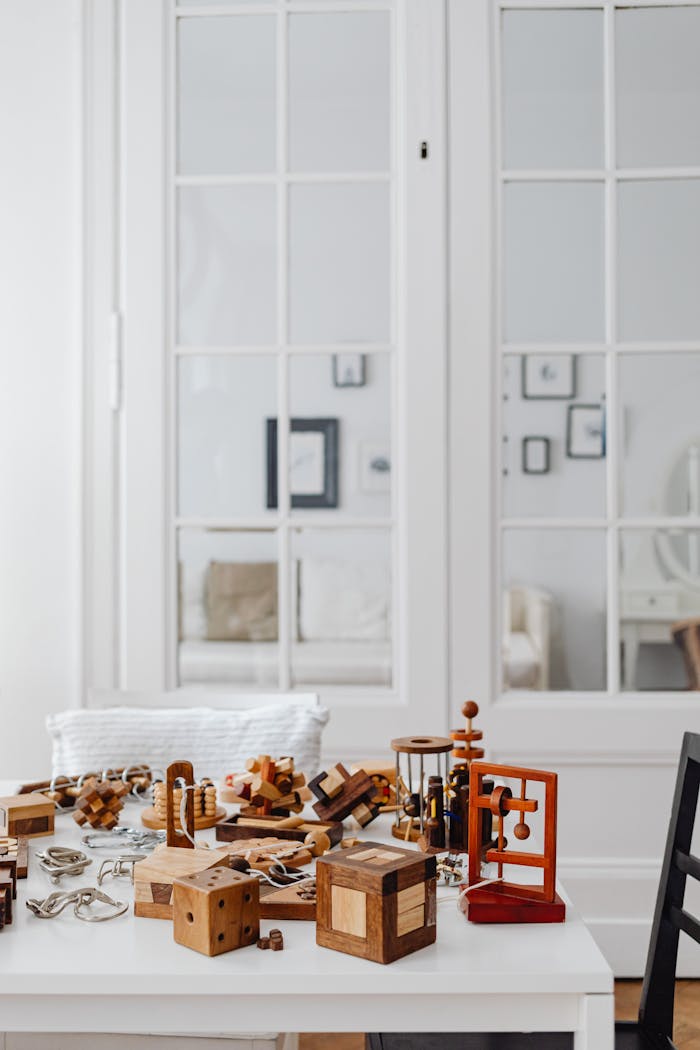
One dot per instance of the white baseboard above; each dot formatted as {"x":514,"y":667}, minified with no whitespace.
{"x":616,"y":897}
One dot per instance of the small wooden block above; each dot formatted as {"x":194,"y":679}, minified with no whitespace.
{"x":216,"y":911}
{"x":332,"y":784}
{"x":30,"y":815}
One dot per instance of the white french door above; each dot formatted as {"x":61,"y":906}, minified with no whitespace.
{"x":575,"y":343}
{"x":280,"y":301}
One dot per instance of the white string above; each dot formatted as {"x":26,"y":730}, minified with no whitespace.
{"x":182,"y":830}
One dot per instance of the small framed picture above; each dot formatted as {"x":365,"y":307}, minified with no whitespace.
{"x":349,"y":369}
{"x":313,"y":463}
{"x":549,"y":376}
{"x":535,"y":452}
{"x":585,"y":432}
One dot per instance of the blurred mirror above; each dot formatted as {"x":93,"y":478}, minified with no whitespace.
{"x":660,"y":608}
{"x":228,"y":607}
{"x":341,"y":595}
{"x":554,"y":609}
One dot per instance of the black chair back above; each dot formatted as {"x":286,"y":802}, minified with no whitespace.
{"x":656,"y":1007}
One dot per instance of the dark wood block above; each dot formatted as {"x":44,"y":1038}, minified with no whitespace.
{"x":490,"y":904}
{"x":243,"y":827}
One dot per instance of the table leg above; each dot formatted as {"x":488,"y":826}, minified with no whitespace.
{"x":596,"y":1029}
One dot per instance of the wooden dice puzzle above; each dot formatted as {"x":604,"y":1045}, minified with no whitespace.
{"x":216,"y":911}
{"x":375,"y":901}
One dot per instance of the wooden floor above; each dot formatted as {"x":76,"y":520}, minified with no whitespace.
{"x":687,"y":1032}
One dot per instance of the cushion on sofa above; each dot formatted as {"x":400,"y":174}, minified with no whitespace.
{"x":215,"y":741}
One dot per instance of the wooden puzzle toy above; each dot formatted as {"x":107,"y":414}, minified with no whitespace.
{"x":375,"y":901}
{"x":63,"y":790}
{"x":262,"y":854}
{"x":29,"y":815}
{"x":383,"y":777}
{"x":82,"y":901}
{"x":100,"y":803}
{"x":14,"y":857}
{"x":58,"y":861}
{"x":269,"y":786}
{"x":340,"y":794}
{"x":7,"y":894}
{"x":216,"y":911}
{"x":206,"y":811}
{"x":296,"y":901}
{"x":458,"y":780}
{"x":411,"y":827}
{"x":295,"y":828}
{"x":510,"y":901}
{"x":179,"y":857}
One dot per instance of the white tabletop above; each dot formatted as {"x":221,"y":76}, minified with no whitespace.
{"x":61,"y":965}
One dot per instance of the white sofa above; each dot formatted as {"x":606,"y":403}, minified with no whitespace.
{"x":526,"y":638}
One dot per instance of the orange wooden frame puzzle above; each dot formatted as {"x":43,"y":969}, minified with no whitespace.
{"x":511,"y":901}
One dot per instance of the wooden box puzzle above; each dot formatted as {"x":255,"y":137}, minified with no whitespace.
{"x":216,"y":911}
{"x":28,"y":815}
{"x":375,"y":901}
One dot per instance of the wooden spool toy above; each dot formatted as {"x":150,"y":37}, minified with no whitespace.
{"x":503,"y":901}
{"x":465,"y":738}
{"x":203,"y":800}
{"x":419,"y":805}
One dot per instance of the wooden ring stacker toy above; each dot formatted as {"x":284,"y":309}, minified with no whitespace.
{"x":414,"y":803}
{"x":202,"y":802}
{"x":467,"y":736}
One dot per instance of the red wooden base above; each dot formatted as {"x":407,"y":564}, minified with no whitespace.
{"x":492,"y":904}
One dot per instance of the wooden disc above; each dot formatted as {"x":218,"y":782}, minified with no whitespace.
{"x":462,"y":734}
{"x":150,"y":820}
{"x":400,"y":832}
{"x":421,"y":745}
{"x":466,"y":755}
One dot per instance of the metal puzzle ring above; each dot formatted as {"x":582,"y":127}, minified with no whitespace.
{"x":90,"y":896}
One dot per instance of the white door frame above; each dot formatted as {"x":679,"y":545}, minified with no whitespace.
{"x":129,"y":582}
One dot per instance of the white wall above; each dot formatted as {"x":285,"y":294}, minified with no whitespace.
{"x":40,"y":374}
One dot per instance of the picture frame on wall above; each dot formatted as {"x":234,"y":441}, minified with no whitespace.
{"x":349,"y":369}
{"x":548,"y":377}
{"x":585,"y":432}
{"x":536,"y":455}
{"x":313,"y":463}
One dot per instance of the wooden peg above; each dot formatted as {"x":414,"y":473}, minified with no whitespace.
{"x":177,"y":770}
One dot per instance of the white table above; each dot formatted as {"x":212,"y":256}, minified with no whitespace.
{"x":128,"y":975}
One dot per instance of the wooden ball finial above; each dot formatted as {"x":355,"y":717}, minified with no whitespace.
{"x":521,"y":831}
{"x":470,"y":709}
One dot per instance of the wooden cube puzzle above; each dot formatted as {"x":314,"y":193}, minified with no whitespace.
{"x":154,"y":877}
{"x":377,"y":902}
{"x":339,"y":794}
{"x":216,"y":911}
{"x":100,"y":803}
{"x":27,"y":815}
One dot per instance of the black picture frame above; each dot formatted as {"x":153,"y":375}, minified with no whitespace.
{"x":538,"y":395}
{"x":596,"y":442}
{"x":529,"y":443}
{"x":330,"y":430}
